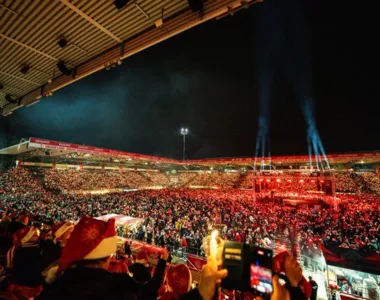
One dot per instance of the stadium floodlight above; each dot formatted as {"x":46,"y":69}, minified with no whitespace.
{"x":184,"y":133}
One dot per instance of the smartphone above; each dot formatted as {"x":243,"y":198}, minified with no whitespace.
{"x":234,"y":260}
{"x":249,"y":268}
{"x":261,"y":271}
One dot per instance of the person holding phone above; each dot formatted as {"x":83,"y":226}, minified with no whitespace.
{"x":211,"y":277}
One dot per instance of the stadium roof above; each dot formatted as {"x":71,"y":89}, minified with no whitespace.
{"x":98,"y":35}
{"x":42,"y":150}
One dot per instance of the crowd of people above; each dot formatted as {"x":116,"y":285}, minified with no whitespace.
{"x":85,"y":180}
{"x":180,"y":218}
{"x":173,"y":214}
{"x":48,"y":264}
{"x":22,"y":180}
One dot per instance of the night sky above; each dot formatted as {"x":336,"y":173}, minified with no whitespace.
{"x":213,"y":78}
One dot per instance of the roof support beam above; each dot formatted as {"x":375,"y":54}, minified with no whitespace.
{"x":10,"y":10}
{"x":91,"y":20}
{"x":142,"y":11}
{"x":27,"y":47}
{"x":20,"y":78}
{"x":181,"y":22}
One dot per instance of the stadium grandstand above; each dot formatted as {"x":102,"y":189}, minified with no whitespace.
{"x":35,"y":151}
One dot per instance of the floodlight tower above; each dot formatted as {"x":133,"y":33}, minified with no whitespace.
{"x":184,"y":133}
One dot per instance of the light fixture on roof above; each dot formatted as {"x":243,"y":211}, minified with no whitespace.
{"x":159,"y":23}
{"x":62,"y":42}
{"x":107,"y":67}
{"x":25,"y":69}
{"x":245,"y":4}
{"x":119,"y":62}
{"x":196,"y":5}
{"x":10,"y":99}
{"x":120,"y":3}
{"x":64,"y":70}
{"x":231,"y":11}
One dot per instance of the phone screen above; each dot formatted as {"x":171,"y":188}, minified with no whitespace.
{"x":261,"y":279}
{"x":261,"y":271}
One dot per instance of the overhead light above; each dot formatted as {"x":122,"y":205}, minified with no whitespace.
{"x":10,"y":99}
{"x":119,"y":62}
{"x":120,"y":3}
{"x":159,"y":23}
{"x":231,"y":11}
{"x":62,"y":42}
{"x":107,"y":67}
{"x":25,"y":69}
{"x":50,"y":81}
{"x":245,"y":4}
{"x":196,"y":5}
{"x":64,"y":70}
